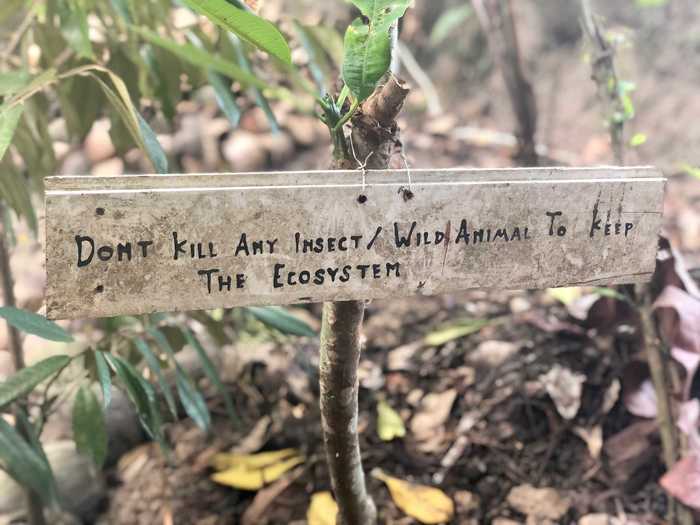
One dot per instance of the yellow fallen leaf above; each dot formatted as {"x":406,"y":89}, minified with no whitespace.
{"x":323,"y":509}
{"x":226,"y":461}
{"x":449,"y":333}
{"x":426,"y":504}
{"x":389,"y":422}
{"x":245,"y":477}
{"x":566,"y":295}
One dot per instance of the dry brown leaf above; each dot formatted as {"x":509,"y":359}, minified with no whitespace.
{"x":426,"y":504}
{"x":565,"y":388}
{"x":544,"y":503}
{"x":323,"y":509}
{"x":433,"y":413}
{"x":593,"y":437}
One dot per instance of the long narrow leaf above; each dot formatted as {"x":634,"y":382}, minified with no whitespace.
{"x":200,"y":57}
{"x":211,"y":373}
{"x":279,"y":319}
{"x":153,"y":147}
{"x":104,"y":377}
{"x":224,"y":97}
{"x":35,"y":324}
{"x":23,"y":382}
{"x":9,"y":118}
{"x":89,"y":431}
{"x":260,"y":98}
{"x":23,"y":463}
{"x":191,"y":398}
{"x":155,"y":367}
{"x":250,"y":27}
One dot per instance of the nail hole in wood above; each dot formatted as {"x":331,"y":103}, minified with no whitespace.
{"x":362,"y":199}
{"x":100,"y":211}
{"x":99,"y":288}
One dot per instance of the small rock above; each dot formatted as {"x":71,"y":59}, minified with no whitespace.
{"x":98,"y":144}
{"x":304,"y":130}
{"x":279,"y":146}
{"x":75,"y":163}
{"x":466,"y":502}
{"x":544,"y":503}
{"x":244,"y":151}
{"x":492,"y":353}
{"x":599,"y":519}
{"x":505,"y":521}
{"x":565,"y":388}
{"x":113,"y":166}
{"x":519,"y":305}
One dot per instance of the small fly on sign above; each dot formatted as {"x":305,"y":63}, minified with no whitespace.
{"x":145,"y":243}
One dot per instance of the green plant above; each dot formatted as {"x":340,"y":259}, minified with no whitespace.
{"x":69,"y":56}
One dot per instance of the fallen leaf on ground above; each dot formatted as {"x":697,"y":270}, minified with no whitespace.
{"x":544,"y":503}
{"x":322,"y":510}
{"x":256,"y":511}
{"x":224,"y":461}
{"x":389,"y":422}
{"x":253,"y":471}
{"x":255,"y":438}
{"x":426,"y":504}
{"x":565,"y":388}
{"x":492,"y":353}
{"x":683,"y":481}
{"x":433,"y":413}
{"x":450,"y":333}
{"x":566,"y":295}
{"x":600,"y":519}
{"x":678,"y":313}
{"x":593,"y":437}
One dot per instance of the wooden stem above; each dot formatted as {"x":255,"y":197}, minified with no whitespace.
{"x":339,"y":360}
{"x":497,"y":21}
{"x":374,"y":140}
{"x":35,"y":512}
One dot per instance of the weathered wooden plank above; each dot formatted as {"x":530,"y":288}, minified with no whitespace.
{"x":144,"y":243}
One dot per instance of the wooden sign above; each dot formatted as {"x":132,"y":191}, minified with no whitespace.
{"x":139,"y":244}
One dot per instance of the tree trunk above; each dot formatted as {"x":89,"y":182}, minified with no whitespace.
{"x":374,"y":140}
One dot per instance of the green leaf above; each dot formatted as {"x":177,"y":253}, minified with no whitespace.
{"x":251,"y":28}
{"x":368,"y":44}
{"x":280,"y":319}
{"x":74,"y":27}
{"x":651,"y":3}
{"x":154,"y":365}
{"x":319,"y":66}
{"x":691,"y":170}
{"x":24,"y":381}
{"x":153,"y":148}
{"x":449,"y":333}
{"x":200,"y":57}
{"x":260,"y":99}
{"x":211,"y":373}
{"x":104,"y":377}
{"x":224,"y":98}
{"x":638,"y":139}
{"x":89,"y":431}
{"x":191,"y":399}
{"x":35,"y":324}
{"x":13,"y":81}
{"x":24,"y":464}
{"x":449,"y":20}
{"x":142,"y":396}
{"x":9,"y":118}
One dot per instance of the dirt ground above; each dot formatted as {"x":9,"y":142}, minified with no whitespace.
{"x":487,"y":412}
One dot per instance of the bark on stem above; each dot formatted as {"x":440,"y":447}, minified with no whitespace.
{"x":35,"y":511}
{"x":374,"y":140}
{"x":497,"y":21}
